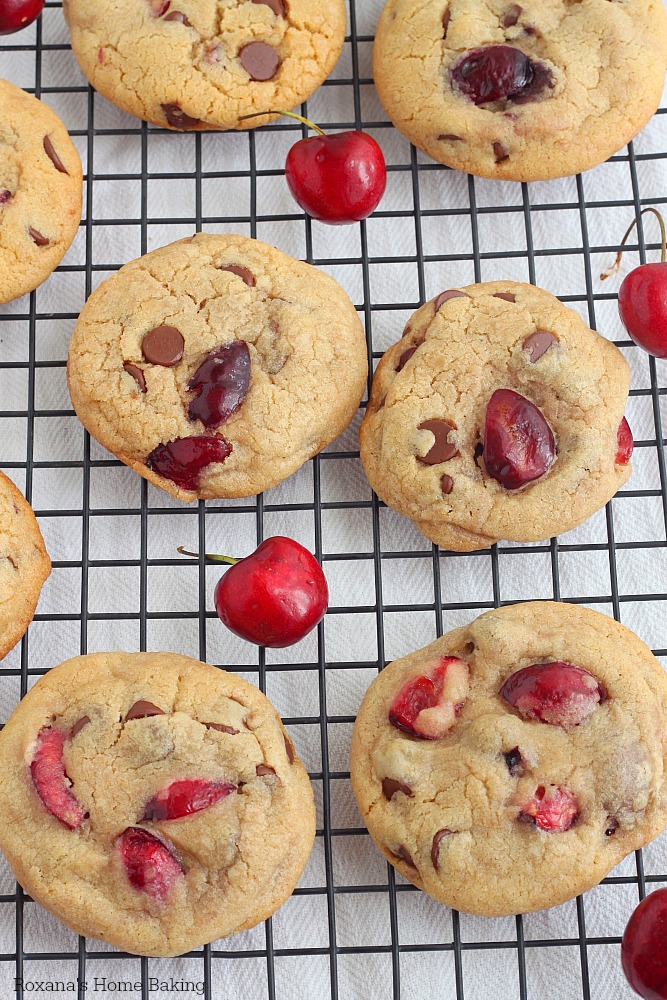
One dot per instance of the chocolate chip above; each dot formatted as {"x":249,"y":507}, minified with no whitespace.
{"x":405,"y":357}
{"x":470,"y":647}
{"x":479,"y":451}
{"x":611,"y":826}
{"x":10,"y":559}
{"x":5,"y":195}
{"x":177,"y":118}
{"x":260,"y":61}
{"x":538,"y":344}
{"x":515,"y":762}
{"x":289,"y":748}
{"x":446,"y":296}
{"x":53,"y":156}
{"x":277,"y":6}
{"x":435,"y":846}
{"x":41,"y":241}
{"x":220,"y":728}
{"x":404,"y":855}
{"x":143,"y":710}
{"x":511,"y":16}
{"x":446,"y":485}
{"x":78,"y":726}
{"x":241,"y":272}
{"x":446,"y":18}
{"x":442,"y":449}
{"x":136,"y":374}
{"x":500,"y":153}
{"x":390,"y":786}
{"x":263,"y":769}
{"x":447,"y":137}
{"x":177,"y":15}
{"x":507,"y":296}
{"x":163,"y":346}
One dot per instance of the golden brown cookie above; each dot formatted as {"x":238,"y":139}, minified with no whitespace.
{"x":509,"y":766}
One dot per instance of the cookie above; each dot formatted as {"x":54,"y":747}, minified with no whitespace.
{"x":204,"y":64}
{"x":24,"y":564}
{"x":498,"y":415}
{"x":40,"y":192}
{"x":509,"y":765}
{"x":217,"y":366}
{"x":152,"y":801}
{"x":520,"y":92}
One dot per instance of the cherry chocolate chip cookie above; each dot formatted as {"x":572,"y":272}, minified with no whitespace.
{"x":152,"y":801}
{"x":521,"y":91}
{"x":216,"y":366}
{"x":511,"y":764}
{"x":498,"y":415}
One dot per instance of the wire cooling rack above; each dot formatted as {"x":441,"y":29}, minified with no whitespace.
{"x":354,"y":928}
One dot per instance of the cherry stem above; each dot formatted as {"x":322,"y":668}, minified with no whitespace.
{"x":208,"y":555}
{"x":288,"y":114}
{"x":619,"y":256}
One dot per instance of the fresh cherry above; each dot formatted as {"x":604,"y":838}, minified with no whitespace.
{"x":17,"y":14}
{"x":275,"y":596}
{"x":47,"y":770}
{"x":557,"y":693}
{"x":221,"y":384}
{"x":149,"y":864}
{"x":428,"y":705}
{"x":644,"y":947}
{"x":185,"y":797}
{"x":625,"y":444}
{"x":498,"y":73}
{"x":553,"y":810}
{"x":519,"y":445}
{"x":182,"y":461}
{"x":338,"y":179}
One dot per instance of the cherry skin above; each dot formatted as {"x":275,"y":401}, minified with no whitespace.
{"x":643,"y":949}
{"x":275,"y":596}
{"x":17,"y":14}
{"x":642,"y":303}
{"x":337,"y":179}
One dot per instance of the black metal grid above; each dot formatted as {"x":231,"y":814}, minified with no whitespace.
{"x":410,"y":583}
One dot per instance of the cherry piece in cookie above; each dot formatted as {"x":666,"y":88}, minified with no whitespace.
{"x":149,"y":864}
{"x":498,"y":73}
{"x":18,"y":14}
{"x":221,"y":383}
{"x":625,"y":444}
{"x":5,"y":196}
{"x":519,"y":445}
{"x":50,"y":780}
{"x":183,"y":461}
{"x":158,"y":7}
{"x":185,"y":797}
{"x":427,"y":706}
{"x":556,"y":693}
{"x":552,"y":809}
{"x":277,"y":6}
{"x":643,"y":951}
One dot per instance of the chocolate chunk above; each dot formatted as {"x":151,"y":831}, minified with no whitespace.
{"x":263,"y":769}
{"x":447,"y":137}
{"x":442,"y":449}
{"x":612,"y":826}
{"x":159,"y":7}
{"x":405,"y":855}
{"x":177,"y":118}
{"x":511,"y":16}
{"x":220,"y":728}
{"x":5,"y":195}
{"x":479,"y":451}
{"x":260,"y":61}
{"x":390,"y":786}
{"x":500,"y":152}
{"x":405,"y":357}
{"x":446,"y":485}
{"x":163,"y":346}
{"x":78,"y":726}
{"x":435,"y":847}
{"x":538,"y":344}
{"x":470,"y":647}
{"x":277,"y":6}
{"x":446,"y":296}
{"x":143,"y":710}
{"x":241,"y":272}
{"x":289,"y":748}
{"x":507,"y":296}
{"x":41,"y":241}
{"x":446,"y":18}
{"x":177,"y":15}
{"x":53,"y":156}
{"x":515,"y":762}
{"x":11,"y":560}
{"x":136,"y":374}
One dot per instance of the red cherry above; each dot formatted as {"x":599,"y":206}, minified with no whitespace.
{"x":47,"y":769}
{"x":17,"y":14}
{"x":427,"y":706}
{"x":554,"y":810}
{"x":519,"y":446}
{"x":625,"y":444}
{"x":498,"y":73}
{"x":557,"y":693}
{"x":644,"y":947}
{"x":149,"y":864}
{"x":642,"y":303}
{"x":183,"y":798}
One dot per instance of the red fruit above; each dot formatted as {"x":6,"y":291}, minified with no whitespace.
{"x":183,"y":798}
{"x":558,"y":693}
{"x":428,"y":705}
{"x":183,"y":460}
{"x":17,"y":14}
{"x":625,"y":444}
{"x":339,"y":178}
{"x":642,"y":303}
{"x":50,"y":780}
{"x":500,"y":72}
{"x":221,"y":383}
{"x":551,"y":809}
{"x":275,"y":596}
{"x":519,"y":446}
{"x":149,"y":864}
{"x":644,"y":947}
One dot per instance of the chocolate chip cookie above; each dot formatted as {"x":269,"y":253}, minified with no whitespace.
{"x":217,"y":366}
{"x":24,"y":564}
{"x":511,"y":764}
{"x":152,"y":801}
{"x":521,"y":91}
{"x":204,"y":64}
{"x":498,"y":415}
{"x":40,"y":192}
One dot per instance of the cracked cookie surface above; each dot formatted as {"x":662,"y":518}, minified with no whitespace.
{"x":508,"y":811}
{"x":203,"y":64}
{"x":40,"y":192}
{"x":24,"y":564}
{"x":521,"y":91}
{"x":253,"y":359}
{"x":99,"y":822}
{"x":422,"y":438}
